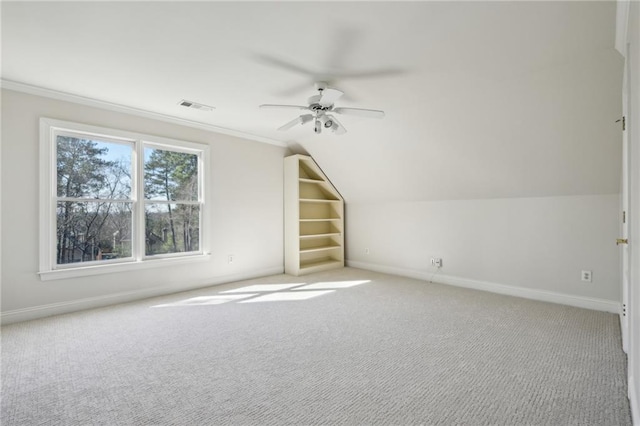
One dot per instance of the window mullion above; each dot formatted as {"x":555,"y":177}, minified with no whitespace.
{"x":51,"y":199}
{"x":189,"y":203}
{"x":139,"y":207}
{"x":202,"y":157}
{"x":93,"y":200}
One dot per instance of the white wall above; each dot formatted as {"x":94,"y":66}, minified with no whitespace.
{"x":511,"y":245}
{"x":247,"y":197}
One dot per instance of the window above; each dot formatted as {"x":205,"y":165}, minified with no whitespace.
{"x":114,"y":200}
{"x":172,"y":206}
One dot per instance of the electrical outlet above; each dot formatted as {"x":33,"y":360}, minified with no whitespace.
{"x":586,"y":276}
{"x":230,"y":258}
{"x":436,"y":262}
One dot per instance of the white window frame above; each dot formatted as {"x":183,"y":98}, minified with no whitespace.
{"x":49,"y":269}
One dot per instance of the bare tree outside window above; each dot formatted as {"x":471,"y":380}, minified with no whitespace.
{"x":93,"y":209}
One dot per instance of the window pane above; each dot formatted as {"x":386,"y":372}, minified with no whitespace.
{"x":172,"y":228}
{"x":89,"y":168}
{"x":90,"y":231}
{"x":170,"y":175}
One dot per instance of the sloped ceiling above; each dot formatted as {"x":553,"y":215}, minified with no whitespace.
{"x":482,"y":99}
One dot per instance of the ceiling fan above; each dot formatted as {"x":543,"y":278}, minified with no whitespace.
{"x":321,"y":109}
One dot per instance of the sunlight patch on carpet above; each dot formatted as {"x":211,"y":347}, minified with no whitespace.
{"x":262,"y":287}
{"x":205,"y":300}
{"x":332,"y":285}
{"x":280,"y":297}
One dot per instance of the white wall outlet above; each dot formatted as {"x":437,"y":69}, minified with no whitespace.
{"x":366,"y":251}
{"x":586,"y":276}
{"x":230,"y":258}
{"x":436,"y":262}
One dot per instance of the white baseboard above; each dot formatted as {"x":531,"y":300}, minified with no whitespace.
{"x":634,"y":402}
{"x":526,"y":293}
{"x":41,"y":311}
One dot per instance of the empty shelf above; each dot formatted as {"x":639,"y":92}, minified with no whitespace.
{"x":333,"y":234}
{"x":319,"y":264}
{"x":317,"y":249}
{"x":317,"y":200}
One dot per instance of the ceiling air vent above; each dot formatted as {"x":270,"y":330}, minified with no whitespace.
{"x":195,"y":105}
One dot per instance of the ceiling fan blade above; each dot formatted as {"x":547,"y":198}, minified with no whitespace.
{"x":270,"y":60}
{"x":284,"y":106}
{"x":339,"y":129}
{"x":369,"y":113}
{"x":298,"y":120}
{"x":295,"y":90}
{"x":330,"y":96}
{"x":388,"y":72}
{"x":304,"y":119}
{"x":289,"y":124}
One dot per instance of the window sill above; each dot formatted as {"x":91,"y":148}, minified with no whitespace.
{"x":59,"y":274}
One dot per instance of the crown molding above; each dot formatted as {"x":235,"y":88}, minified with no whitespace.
{"x":96,"y":103}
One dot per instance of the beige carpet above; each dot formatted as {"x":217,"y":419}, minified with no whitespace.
{"x":343,"y":347}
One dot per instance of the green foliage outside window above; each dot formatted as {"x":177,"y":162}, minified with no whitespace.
{"x":171,"y":227}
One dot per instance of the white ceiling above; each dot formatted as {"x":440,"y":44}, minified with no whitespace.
{"x":482,"y":99}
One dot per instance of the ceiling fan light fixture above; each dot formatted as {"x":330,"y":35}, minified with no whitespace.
{"x":304,"y":119}
{"x":320,"y":106}
{"x":337,"y":127}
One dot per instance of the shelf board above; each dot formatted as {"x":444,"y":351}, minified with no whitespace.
{"x":317,"y":200}
{"x":333,"y":234}
{"x":307,"y":180}
{"x":332,"y":219}
{"x":321,"y":264}
{"x":316,"y":249}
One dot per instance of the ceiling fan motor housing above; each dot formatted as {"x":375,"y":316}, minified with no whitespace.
{"x":314,"y":104}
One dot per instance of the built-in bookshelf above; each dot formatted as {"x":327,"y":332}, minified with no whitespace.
{"x":313,"y":218}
